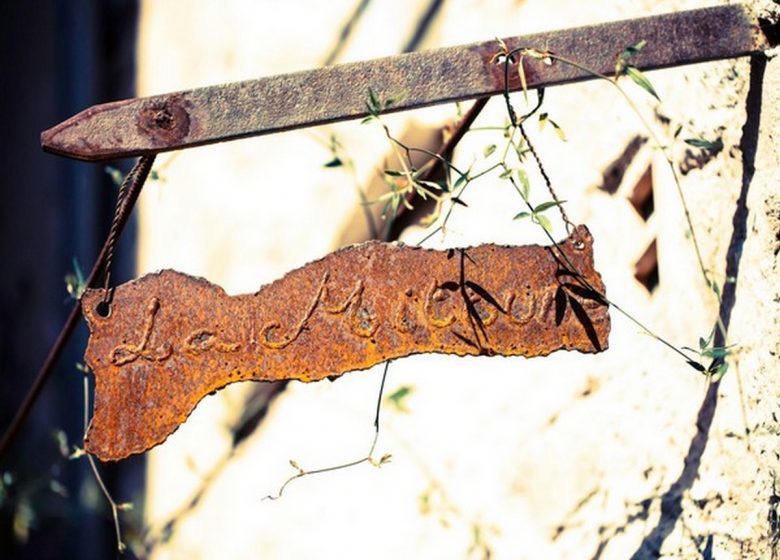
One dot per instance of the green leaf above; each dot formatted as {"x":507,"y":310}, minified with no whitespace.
{"x":641,"y":80}
{"x":521,"y":149}
{"x":438,"y":186}
{"x":398,"y":397}
{"x":716,"y":352}
{"x":697,"y":366}
{"x":373,"y":102}
{"x":394,"y":100}
{"x":62,"y":442}
{"x":456,"y":200}
{"x":705,"y":144}
{"x":678,"y":130}
{"x":525,"y":185}
{"x":634,"y":49}
{"x":74,"y":282}
{"x":460,"y":181}
{"x":488,"y":151}
{"x":547,"y":205}
{"x":115,"y":174}
{"x":621,"y":64}
{"x":335,"y":162}
{"x":523,"y":81}
{"x":720,"y":370}
{"x":521,"y":215}
{"x":702,"y":343}
{"x":533,"y":53}
{"x":542,"y":120}
{"x":367,"y":119}
{"x":544,"y":222}
{"x":506,"y":174}
{"x":77,"y":452}
{"x":558,"y":130}
{"x":393,"y":173}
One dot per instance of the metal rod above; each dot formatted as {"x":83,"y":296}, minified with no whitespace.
{"x":140,"y":172}
{"x":207,"y":115}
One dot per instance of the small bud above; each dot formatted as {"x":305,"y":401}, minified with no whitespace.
{"x":77,"y":452}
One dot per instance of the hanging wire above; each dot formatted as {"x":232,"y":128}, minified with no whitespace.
{"x":518,"y":123}
{"x":140,"y":169}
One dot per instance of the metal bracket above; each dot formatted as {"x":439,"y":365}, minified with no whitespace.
{"x":213,"y":114}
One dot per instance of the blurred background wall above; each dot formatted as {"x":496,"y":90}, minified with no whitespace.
{"x":56,"y":58}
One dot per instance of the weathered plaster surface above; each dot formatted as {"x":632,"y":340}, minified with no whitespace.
{"x":625,"y":454}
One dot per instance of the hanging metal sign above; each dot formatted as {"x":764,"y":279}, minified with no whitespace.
{"x":171,"y":339}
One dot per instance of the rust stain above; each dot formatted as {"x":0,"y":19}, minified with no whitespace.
{"x":172,"y":339}
{"x":495,"y":65}
{"x":164,"y":121}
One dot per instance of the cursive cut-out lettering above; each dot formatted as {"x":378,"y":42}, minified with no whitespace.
{"x":362,"y":321}
{"x":521,"y":307}
{"x":203,"y":340}
{"x":437,"y":295}
{"x":329,"y":317}
{"x":126,"y":353}
{"x":299,"y":326}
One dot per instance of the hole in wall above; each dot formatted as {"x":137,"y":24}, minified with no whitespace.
{"x":641,"y":197}
{"x":646,"y":268}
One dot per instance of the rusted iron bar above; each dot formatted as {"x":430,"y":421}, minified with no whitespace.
{"x":226,"y":112}
{"x":171,"y":339}
{"x":139,"y":175}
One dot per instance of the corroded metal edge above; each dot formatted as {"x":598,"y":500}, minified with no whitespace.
{"x":171,"y":339}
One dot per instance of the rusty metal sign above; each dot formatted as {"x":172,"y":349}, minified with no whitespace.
{"x":171,"y":339}
{"x":275,"y":103}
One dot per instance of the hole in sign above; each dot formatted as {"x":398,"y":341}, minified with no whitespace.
{"x":103,"y":309}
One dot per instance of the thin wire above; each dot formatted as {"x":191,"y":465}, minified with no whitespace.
{"x":368,"y":458}
{"x":141,"y":168}
{"x":569,"y":226}
{"x":112,"y":504}
{"x":379,"y":400}
{"x":566,"y":220}
{"x":518,"y":123}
